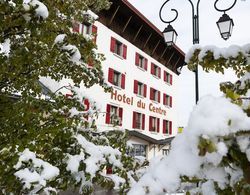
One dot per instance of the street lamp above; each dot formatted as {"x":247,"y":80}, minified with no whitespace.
{"x":225,"y":25}
{"x":170,"y":35}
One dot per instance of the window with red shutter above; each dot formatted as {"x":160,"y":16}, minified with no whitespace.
{"x":171,"y":101}
{"x":164,"y":130}
{"x":159,"y":72}
{"x":123,"y":81}
{"x":159,"y":96}
{"x":165,"y":76}
{"x":124,"y":55}
{"x":94,"y":32}
{"x":112,"y":44}
{"x":152,"y":69}
{"x":111,"y":75}
{"x":164,"y":99}
{"x":158,"y":125}
{"x":146,"y":64}
{"x":120,"y":115}
{"x":150,"y":123}
{"x":145,"y":90}
{"x":108,"y":114}
{"x":151,"y":93}
{"x":170,"y":127}
{"x":136,"y":59}
{"x":171,"y":79}
{"x":135,"y":86}
{"x":143,"y":121}
{"x":134,"y":120}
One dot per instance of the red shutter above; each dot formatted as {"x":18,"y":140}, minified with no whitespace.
{"x":94,"y":32}
{"x":76,"y":27}
{"x":108,"y":114}
{"x":158,"y":125}
{"x":159,"y":72}
{"x":170,"y":101}
{"x":134,"y":118}
{"x":143,"y":121}
{"x":164,"y":99}
{"x":151,"y":93}
{"x":159,"y":96}
{"x":145,"y":90}
{"x":124,"y":51}
{"x":112,"y":44}
{"x":136,"y":59}
{"x":152,"y":69}
{"x":109,"y":170}
{"x":164,"y":127}
{"x":146,"y":64}
{"x":123,"y":81}
{"x":171,"y":79}
{"x":170,"y":127}
{"x":120,"y":115}
{"x":150,"y":123}
{"x":135,"y":86}
{"x":111,"y":75}
{"x":86,"y":104}
{"x":165,"y":76}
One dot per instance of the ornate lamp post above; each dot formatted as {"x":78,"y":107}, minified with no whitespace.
{"x":225,"y":25}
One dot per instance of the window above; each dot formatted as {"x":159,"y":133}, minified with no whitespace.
{"x":165,"y":152}
{"x":154,"y":124}
{"x":141,"y":61}
{"x":138,"y":120}
{"x":155,"y":70}
{"x":168,"y":78}
{"x":167,"y":100}
{"x":140,"y":88}
{"x":138,"y":150}
{"x":116,"y":78}
{"x":86,"y":29}
{"x":118,"y":48}
{"x":155,"y":95}
{"x":114,"y":115}
{"x":167,"y":127}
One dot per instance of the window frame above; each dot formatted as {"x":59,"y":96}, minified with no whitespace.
{"x":117,"y":78}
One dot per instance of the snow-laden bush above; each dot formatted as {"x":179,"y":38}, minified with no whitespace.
{"x":212,"y":155}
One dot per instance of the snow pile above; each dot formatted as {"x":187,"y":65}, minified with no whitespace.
{"x":231,"y":51}
{"x":211,"y":118}
{"x":98,"y":156}
{"x":38,"y":172}
{"x":5,"y":47}
{"x":41,"y":10}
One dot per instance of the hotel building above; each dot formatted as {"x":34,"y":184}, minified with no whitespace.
{"x":143,"y":73}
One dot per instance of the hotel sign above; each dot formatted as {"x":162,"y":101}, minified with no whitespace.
{"x":140,"y":104}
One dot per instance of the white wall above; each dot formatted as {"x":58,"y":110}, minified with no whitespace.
{"x":132,"y":72}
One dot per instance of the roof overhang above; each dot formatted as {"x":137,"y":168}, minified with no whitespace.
{"x":149,"y":139}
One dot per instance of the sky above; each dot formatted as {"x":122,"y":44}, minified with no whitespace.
{"x":209,"y":35}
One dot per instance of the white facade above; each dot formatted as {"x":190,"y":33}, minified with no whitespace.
{"x":126,"y":98}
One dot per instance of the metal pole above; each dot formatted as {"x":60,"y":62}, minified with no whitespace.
{"x":196,"y":40}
